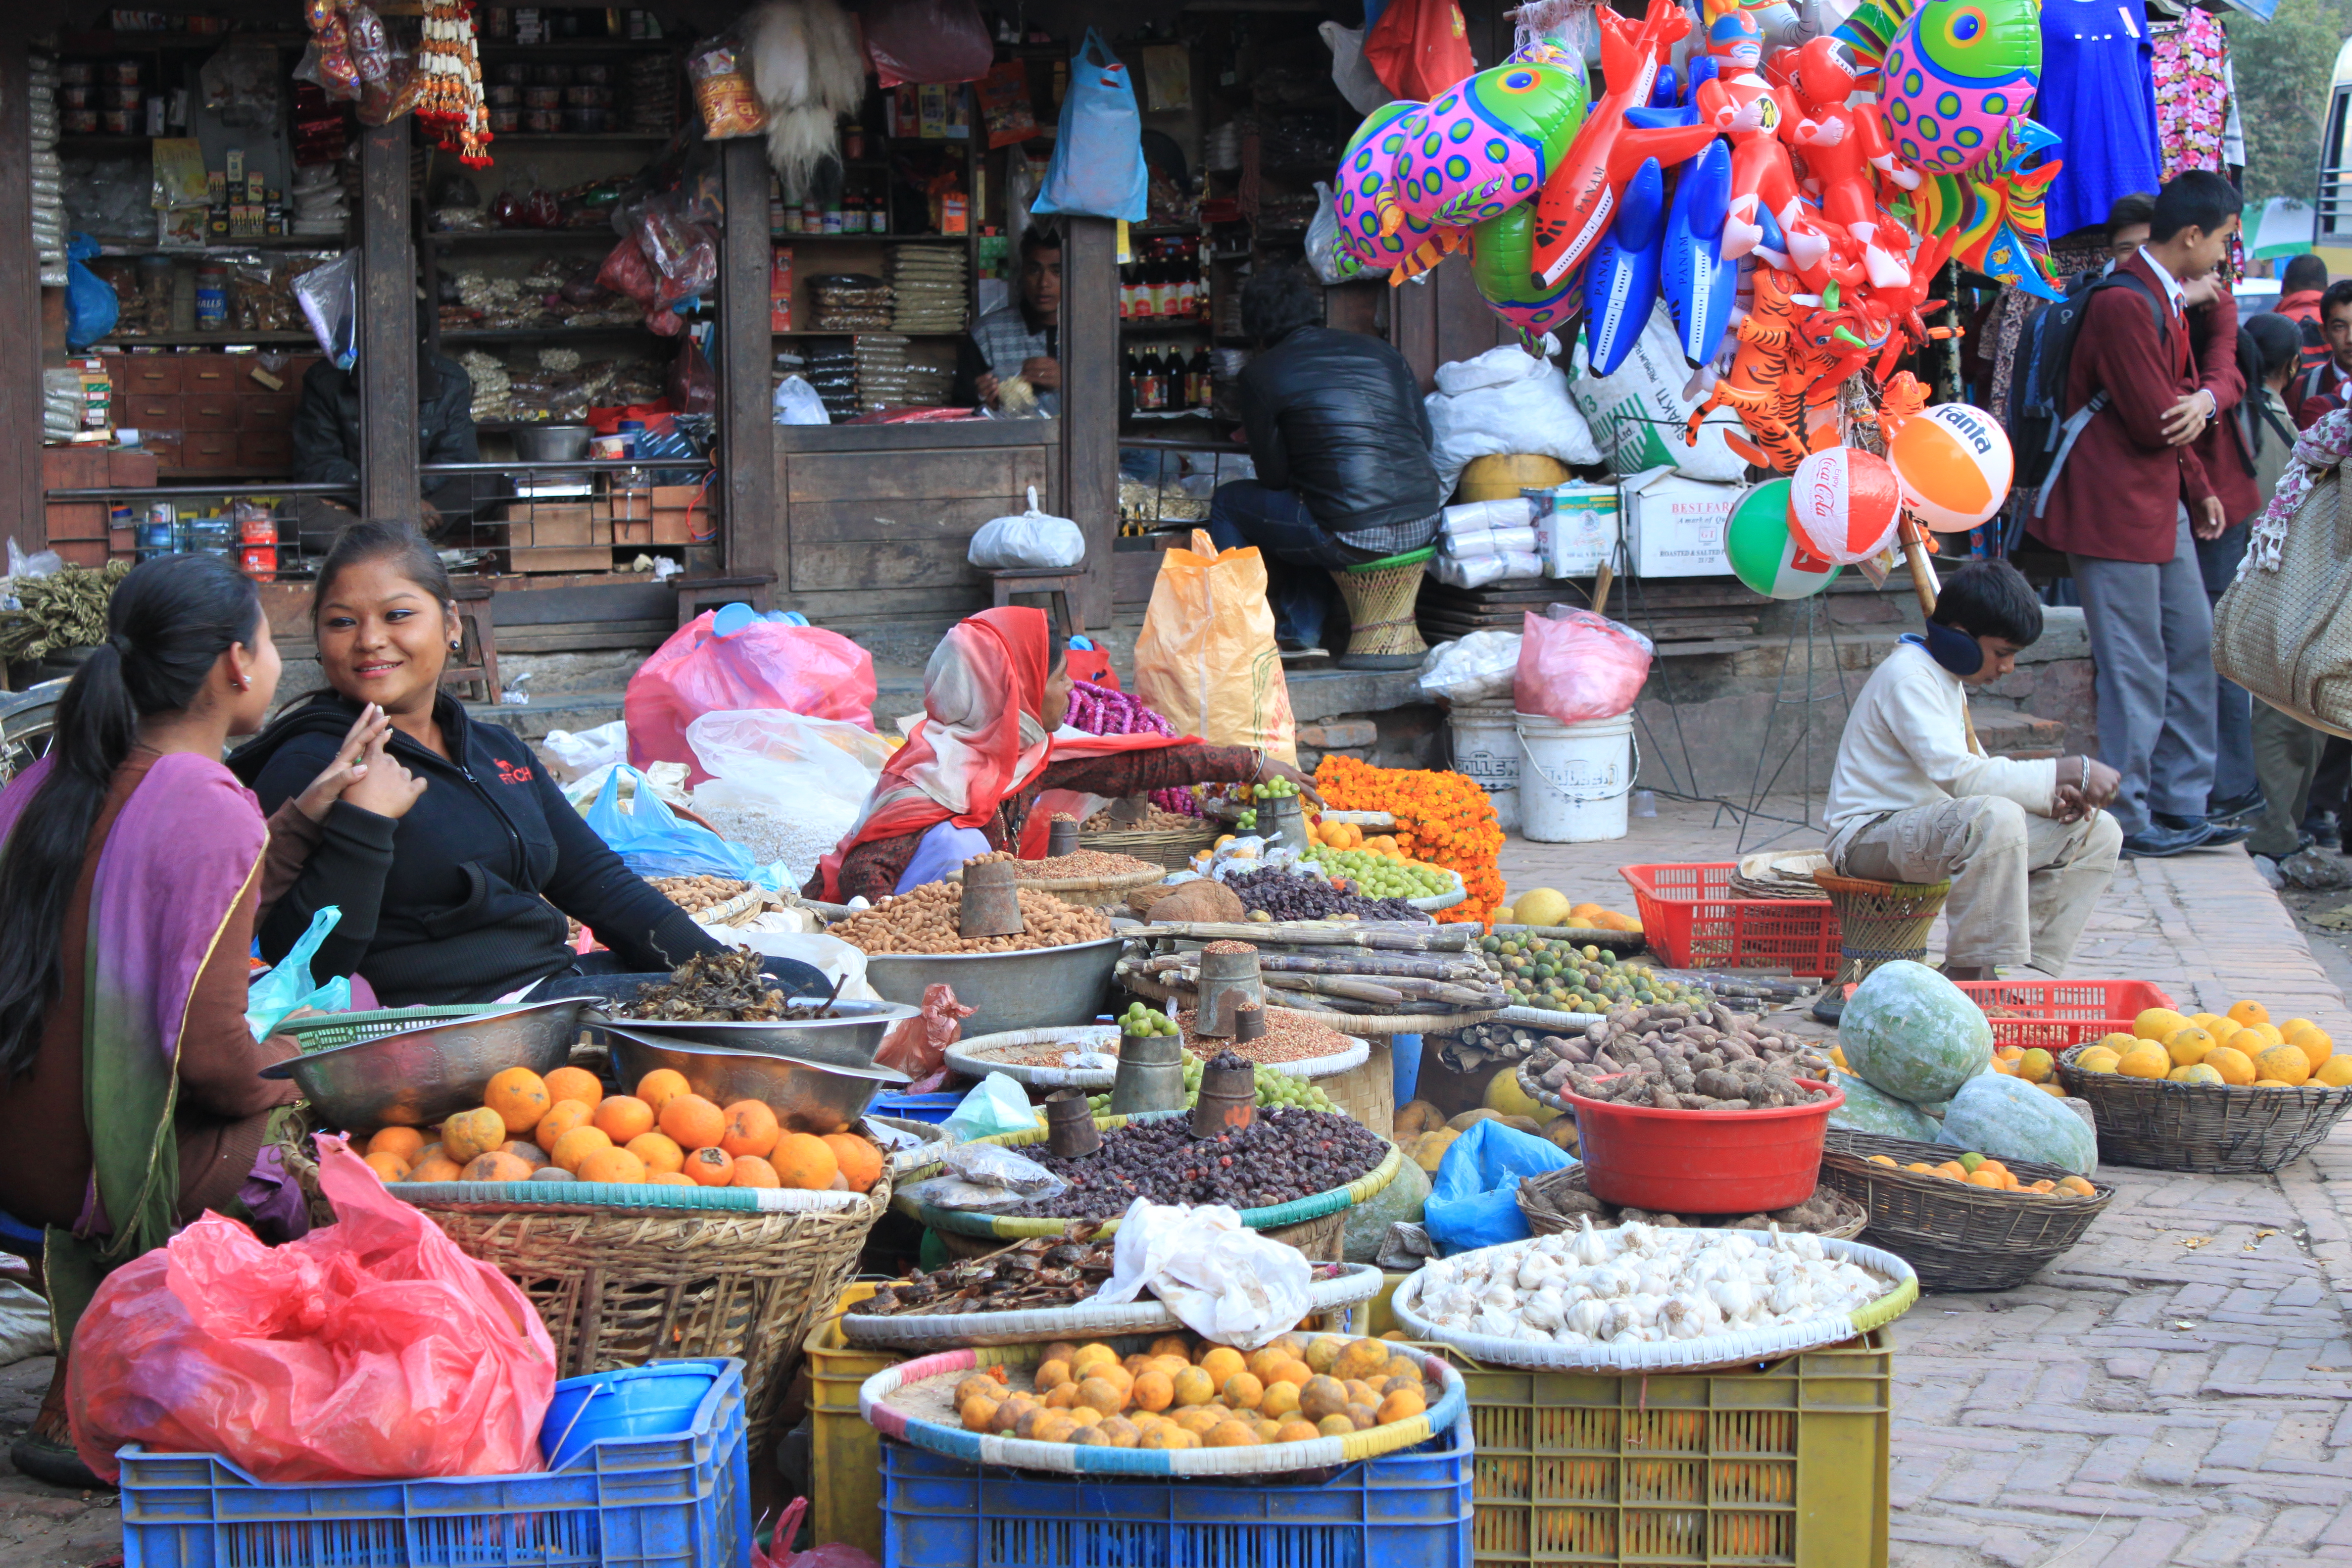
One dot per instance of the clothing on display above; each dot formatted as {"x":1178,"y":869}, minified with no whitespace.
{"x":2191,"y":67}
{"x":2098,"y":93}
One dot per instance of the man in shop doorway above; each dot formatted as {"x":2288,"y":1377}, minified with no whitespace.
{"x":1915,"y":799}
{"x":1339,"y":439}
{"x":328,"y":422}
{"x":1020,"y":341}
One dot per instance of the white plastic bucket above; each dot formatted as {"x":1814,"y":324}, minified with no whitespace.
{"x":1573,"y":784}
{"x":1485,"y":747}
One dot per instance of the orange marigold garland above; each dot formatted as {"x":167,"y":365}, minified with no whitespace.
{"x":451,"y":106}
{"x":1443,"y":819}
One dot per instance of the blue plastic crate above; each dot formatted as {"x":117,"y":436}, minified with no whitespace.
{"x":931,"y":1107}
{"x":658,"y":1502}
{"x":1402,"y":1510}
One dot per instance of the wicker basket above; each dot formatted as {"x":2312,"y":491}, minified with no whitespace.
{"x":1539,"y":1203}
{"x":2160,"y":1125}
{"x":1880,"y":922}
{"x":1958,"y":1237}
{"x":1380,"y":596}
{"x":1083,"y":892}
{"x":618,"y":1288}
{"x":1172,"y":848}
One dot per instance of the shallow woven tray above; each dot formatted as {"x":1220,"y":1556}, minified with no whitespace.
{"x":2160,"y":1125}
{"x":1679,"y":1355}
{"x":1958,"y":1237}
{"x":911,"y":1402}
{"x":1173,"y":850}
{"x":1080,"y":1320}
{"x":1345,"y":1023}
{"x":1545,"y":1218}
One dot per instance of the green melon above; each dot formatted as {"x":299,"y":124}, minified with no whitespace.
{"x":1914,"y":1034}
{"x":2010,"y":1119}
{"x":1866,"y":1110}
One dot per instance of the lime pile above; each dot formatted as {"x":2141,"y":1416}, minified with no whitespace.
{"x":1273,"y":1090}
{"x":1541,"y":972}
{"x":1381,"y":875}
{"x":1140,"y":1019}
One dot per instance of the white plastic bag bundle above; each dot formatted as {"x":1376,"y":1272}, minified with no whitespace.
{"x":1503,"y":403}
{"x":1493,"y":541}
{"x":572,"y":754}
{"x":1033,"y":538}
{"x":783,"y":785}
{"x":797,"y":402}
{"x":1639,"y":414}
{"x":1476,"y":668}
{"x":1473,"y":518}
{"x":1224,"y":1282}
{"x":1350,"y":72}
{"x":1479,"y":570}
{"x":985,"y":1175}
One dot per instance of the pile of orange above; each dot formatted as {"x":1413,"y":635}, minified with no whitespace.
{"x":565,"y":1128}
{"x":1183,"y":1394}
{"x":1442,"y":818}
{"x":1982,"y":1171}
{"x":2238,"y":1049}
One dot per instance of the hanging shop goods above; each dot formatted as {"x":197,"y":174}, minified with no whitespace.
{"x":452,"y":106}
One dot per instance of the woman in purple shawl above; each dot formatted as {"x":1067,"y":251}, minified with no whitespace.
{"x":132,"y":865}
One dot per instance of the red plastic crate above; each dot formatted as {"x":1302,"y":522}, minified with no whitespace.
{"x":2061,"y":1012}
{"x":1689,"y":915}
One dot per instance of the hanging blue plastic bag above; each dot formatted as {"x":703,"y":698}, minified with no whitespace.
{"x":1475,"y":1202}
{"x":1098,"y":169}
{"x":277,"y":992}
{"x":653,"y":842}
{"x":91,"y":309}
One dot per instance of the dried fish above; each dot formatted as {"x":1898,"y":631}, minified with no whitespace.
{"x":724,"y":988}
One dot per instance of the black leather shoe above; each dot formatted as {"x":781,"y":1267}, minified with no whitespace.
{"x":2236,"y":806}
{"x":2159,"y":842}
{"x":2220,"y":833}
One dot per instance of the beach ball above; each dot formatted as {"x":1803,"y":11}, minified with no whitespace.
{"x":1766,"y":555}
{"x":1843,"y":504}
{"x":1953,"y":464}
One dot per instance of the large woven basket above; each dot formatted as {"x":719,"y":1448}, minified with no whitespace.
{"x":620,"y":1287}
{"x":1172,"y":848}
{"x":1084,"y":892}
{"x":1540,"y":1204}
{"x":2160,"y":1125}
{"x":1959,"y":1237}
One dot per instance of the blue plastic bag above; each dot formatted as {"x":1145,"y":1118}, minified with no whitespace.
{"x":1475,"y":1202}
{"x":91,"y":309}
{"x":1098,"y":169}
{"x":277,"y":992}
{"x":653,"y":842}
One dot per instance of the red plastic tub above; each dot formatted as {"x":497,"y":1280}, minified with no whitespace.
{"x":1702,"y":1161}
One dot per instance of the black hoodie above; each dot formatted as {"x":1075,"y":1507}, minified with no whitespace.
{"x":463,"y":898}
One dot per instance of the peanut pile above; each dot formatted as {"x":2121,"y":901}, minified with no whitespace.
{"x":925,"y":921}
{"x":693,"y":894}
{"x":1084,"y":865}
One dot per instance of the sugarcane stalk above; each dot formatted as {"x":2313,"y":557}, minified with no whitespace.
{"x":1381,"y":963}
{"x":1335,"y":985}
{"x":1394,"y":939}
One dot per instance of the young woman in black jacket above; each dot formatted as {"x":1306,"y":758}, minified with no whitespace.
{"x":462,"y":896}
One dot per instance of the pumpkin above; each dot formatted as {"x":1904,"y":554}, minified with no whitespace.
{"x":1914,"y":1034}
{"x":2010,"y":1119}
{"x":1867,"y":1110}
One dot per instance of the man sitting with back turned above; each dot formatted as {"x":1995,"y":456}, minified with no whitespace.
{"x":1913,"y":798}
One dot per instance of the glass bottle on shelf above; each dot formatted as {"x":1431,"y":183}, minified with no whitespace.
{"x":1200,"y":377}
{"x":1134,"y":379}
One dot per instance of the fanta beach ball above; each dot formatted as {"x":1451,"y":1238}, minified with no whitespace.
{"x":1954,"y":466}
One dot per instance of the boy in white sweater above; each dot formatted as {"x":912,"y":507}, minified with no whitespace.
{"x":1915,"y":799}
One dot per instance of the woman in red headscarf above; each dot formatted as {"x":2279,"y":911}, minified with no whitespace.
{"x":970,"y":773}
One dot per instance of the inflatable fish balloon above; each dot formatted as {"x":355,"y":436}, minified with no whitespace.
{"x":1486,"y":144}
{"x":1621,"y":282}
{"x":1957,"y":75}
{"x":1407,"y":248}
{"x":1700,"y":285}
{"x":1500,"y":264}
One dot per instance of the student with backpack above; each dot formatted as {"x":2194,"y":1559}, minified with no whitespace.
{"x":2324,"y":386}
{"x":2300,"y":287}
{"x":2125,"y":497}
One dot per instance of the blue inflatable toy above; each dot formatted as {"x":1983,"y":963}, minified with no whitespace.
{"x":1620,"y":281}
{"x":1700,"y":285}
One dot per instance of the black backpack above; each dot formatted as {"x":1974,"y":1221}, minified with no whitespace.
{"x":2040,"y":432}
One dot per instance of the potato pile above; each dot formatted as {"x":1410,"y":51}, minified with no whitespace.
{"x":1184,"y":1393}
{"x":925,"y":921}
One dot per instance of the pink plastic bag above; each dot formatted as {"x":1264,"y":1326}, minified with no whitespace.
{"x":1578,"y":666}
{"x":927,"y":41}
{"x":370,"y":1349}
{"x":917,"y":1047}
{"x":830,"y":1555}
{"x":800,"y":670}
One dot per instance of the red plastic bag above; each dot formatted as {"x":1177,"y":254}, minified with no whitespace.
{"x":917,"y":1047}
{"x":927,"y":41}
{"x":370,"y":1348}
{"x":1419,"y":47}
{"x":1579,"y":667}
{"x":828,"y":1554}
{"x":692,"y":386}
{"x":800,"y":670}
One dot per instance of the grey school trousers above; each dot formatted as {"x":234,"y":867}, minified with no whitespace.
{"x":2152,"y":639}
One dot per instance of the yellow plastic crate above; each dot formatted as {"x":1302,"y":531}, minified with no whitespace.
{"x":1786,"y":1465}
{"x":845,"y":1453}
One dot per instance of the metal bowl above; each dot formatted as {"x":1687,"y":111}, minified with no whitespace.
{"x":551,"y":443}
{"x":848,"y":1040}
{"x":418,"y":1076}
{"x":1037,"y":988}
{"x":807,"y":1096}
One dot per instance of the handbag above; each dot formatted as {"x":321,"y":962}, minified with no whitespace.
{"x":2285,"y":635}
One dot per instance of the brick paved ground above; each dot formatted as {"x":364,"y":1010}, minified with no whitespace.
{"x":2179,"y":1388}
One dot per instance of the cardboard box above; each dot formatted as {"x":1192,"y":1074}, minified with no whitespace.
{"x":568,"y":537}
{"x":1675,"y":526}
{"x":1576,"y":527}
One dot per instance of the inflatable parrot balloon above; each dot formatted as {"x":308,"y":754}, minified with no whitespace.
{"x":1485,"y":145}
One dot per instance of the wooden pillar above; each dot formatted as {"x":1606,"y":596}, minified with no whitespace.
{"x":1091,"y":378}
{"x":22,"y":515}
{"x":750,"y":509}
{"x":387,"y":327}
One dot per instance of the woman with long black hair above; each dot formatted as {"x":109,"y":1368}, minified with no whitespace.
{"x":131,"y":864}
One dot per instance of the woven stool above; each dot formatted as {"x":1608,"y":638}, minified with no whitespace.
{"x":1380,"y":596}
{"x":1878,"y":923}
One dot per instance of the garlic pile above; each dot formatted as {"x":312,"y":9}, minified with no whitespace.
{"x":1641,"y":1284}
